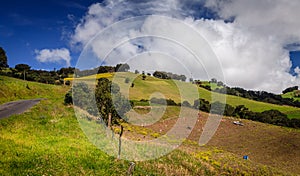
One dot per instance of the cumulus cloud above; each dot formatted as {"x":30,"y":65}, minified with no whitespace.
{"x":297,"y":71}
{"x":252,"y":49}
{"x":276,"y":18}
{"x":54,"y":55}
{"x":101,"y":15}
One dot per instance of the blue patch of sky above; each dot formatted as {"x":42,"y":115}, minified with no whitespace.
{"x":295,"y":58}
{"x":35,"y":24}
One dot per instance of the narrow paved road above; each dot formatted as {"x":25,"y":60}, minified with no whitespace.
{"x":17,"y":107}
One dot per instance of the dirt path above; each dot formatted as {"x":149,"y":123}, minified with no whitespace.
{"x":17,"y":107}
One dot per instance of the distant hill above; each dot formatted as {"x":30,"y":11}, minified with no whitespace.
{"x":143,"y":89}
{"x":294,"y":95}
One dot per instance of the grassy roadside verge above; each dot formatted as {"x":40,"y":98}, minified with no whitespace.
{"x":12,"y":89}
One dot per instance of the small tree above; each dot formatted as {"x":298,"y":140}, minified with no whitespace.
{"x":68,"y":98}
{"x":81,"y":95}
{"x":22,"y":67}
{"x":110,"y":101}
{"x":3,"y":59}
{"x":217,"y":108}
{"x":186,"y":104}
{"x":122,"y":67}
{"x":213,"y":80}
{"x":127,"y":80}
{"x":183,"y":78}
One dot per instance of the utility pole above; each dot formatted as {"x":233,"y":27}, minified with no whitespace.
{"x":24,"y":75}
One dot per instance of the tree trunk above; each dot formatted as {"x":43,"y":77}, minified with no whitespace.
{"x":109,"y":121}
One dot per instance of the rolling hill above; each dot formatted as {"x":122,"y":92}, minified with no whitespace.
{"x":143,"y":89}
{"x":294,"y":94}
{"x":47,"y":140}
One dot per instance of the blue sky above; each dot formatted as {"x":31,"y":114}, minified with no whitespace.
{"x":254,"y":51}
{"x":32,"y":24}
{"x":295,"y":59}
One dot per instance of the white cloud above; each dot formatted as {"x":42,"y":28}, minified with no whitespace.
{"x":101,"y":15}
{"x":252,"y":49}
{"x":276,"y":19}
{"x":297,"y":71}
{"x":54,"y":55}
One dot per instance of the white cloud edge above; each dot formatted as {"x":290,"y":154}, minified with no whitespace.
{"x":54,"y":56}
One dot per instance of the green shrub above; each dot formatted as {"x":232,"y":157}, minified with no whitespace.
{"x":68,"y":98}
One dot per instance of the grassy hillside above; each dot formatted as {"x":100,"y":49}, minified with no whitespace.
{"x":143,"y":89}
{"x":255,"y":106}
{"x":292,"y":95}
{"x":15,"y":89}
{"x":47,"y":140}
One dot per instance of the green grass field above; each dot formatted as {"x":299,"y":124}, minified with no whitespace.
{"x":143,"y":89}
{"x":47,"y":140}
{"x":255,"y":106}
{"x":291,"y":95}
{"x":15,"y":89}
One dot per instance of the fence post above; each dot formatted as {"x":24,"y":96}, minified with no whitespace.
{"x":121,"y":133}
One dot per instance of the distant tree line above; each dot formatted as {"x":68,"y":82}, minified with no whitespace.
{"x":163,"y":101}
{"x":103,"y":69}
{"x":273,"y":117}
{"x":169,"y":75}
{"x":24,"y":71}
{"x":290,"y":89}
{"x":261,"y":96}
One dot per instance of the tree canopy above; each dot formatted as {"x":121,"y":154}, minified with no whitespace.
{"x":3,"y":59}
{"x":110,"y":100}
{"x":122,"y":67}
{"x":22,"y":67}
{"x":290,"y":89}
{"x":169,"y":75}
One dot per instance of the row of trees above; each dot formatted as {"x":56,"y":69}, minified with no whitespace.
{"x":290,"y":89}
{"x":103,"y":69}
{"x":24,"y":71}
{"x":262,"y":96}
{"x":169,"y":75}
{"x":274,"y":117}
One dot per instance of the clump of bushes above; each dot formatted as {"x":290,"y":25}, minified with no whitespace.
{"x":274,"y":117}
{"x":68,"y":98}
{"x":163,"y":101}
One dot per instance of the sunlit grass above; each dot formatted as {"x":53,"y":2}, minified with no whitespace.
{"x":47,"y":140}
{"x":144,"y":89}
